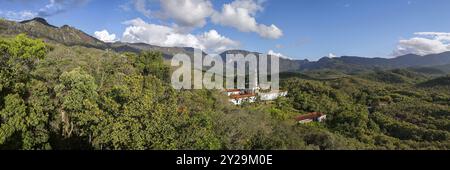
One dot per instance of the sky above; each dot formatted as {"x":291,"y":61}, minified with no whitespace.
{"x":298,"y":29}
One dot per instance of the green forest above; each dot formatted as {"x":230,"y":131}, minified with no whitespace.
{"x":61,"y":97}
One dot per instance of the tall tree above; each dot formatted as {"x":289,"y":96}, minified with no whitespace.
{"x":77,"y":94}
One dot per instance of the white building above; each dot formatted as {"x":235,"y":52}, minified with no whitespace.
{"x":273,"y":95}
{"x":239,"y":96}
{"x":240,"y":99}
{"x":233,"y":92}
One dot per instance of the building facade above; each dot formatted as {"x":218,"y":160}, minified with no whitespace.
{"x":240,"y":96}
{"x":273,"y":95}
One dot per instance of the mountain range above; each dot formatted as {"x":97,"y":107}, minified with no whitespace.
{"x":70,"y":36}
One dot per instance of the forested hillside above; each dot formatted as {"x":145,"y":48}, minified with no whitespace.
{"x":54,"y":96}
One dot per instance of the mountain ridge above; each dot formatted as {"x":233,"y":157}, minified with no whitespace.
{"x":39,"y":20}
{"x":67,"y":35}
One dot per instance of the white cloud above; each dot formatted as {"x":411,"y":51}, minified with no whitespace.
{"x":213,"y":40}
{"x":105,"y":36}
{"x":141,"y":6}
{"x":441,"y":36}
{"x":187,"y":13}
{"x":140,"y":31}
{"x":190,"y":14}
{"x":272,"y":31}
{"x":240,"y":14}
{"x":273,"y":53}
{"x":17,"y":16}
{"x":424,"y":43}
{"x":331,"y":55}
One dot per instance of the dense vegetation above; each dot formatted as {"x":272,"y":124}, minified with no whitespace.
{"x":58,"y":97}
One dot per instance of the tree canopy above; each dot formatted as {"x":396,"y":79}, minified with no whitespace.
{"x":58,"y":97}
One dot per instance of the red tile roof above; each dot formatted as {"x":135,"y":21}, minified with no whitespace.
{"x":313,"y":115}
{"x":242,"y":96}
{"x":233,"y":90}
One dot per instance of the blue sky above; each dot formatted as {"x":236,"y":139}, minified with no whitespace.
{"x":302,"y":29}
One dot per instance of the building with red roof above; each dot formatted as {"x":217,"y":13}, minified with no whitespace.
{"x":311,"y":117}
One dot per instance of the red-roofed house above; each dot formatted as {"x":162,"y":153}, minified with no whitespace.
{"x":310,"y":117}
{"x":231,"y":92}
{"x":241,"y":98}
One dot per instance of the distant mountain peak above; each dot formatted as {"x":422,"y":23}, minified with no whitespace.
{"x":408,"y":56}
{"x":65,"y":26}
{"x":39,"y":20}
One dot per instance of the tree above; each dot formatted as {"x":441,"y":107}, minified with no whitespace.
{"x":139,"y":114}
{"x":152,"y":63}
{"x":77,"y":96}
{"x":26,"y":107}
{"x":19,"y":57}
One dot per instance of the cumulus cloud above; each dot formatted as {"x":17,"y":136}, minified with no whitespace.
{"x":240,"y":14}
{"x":190,"y":14}
{"x":331,"y":55}
{"x":218,"y":43}
{"x":187,"y":13}
{"x":273,"y":53}
{"x":441,"y":36}
{"x":59,"y":6}
{"x":17,"y":16}
{"x":105,"y":36}
{"x":141,"y":31}
{"x":424,"y":43}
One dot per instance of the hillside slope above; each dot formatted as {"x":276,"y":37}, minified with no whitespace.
{"x":70,"y":36}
